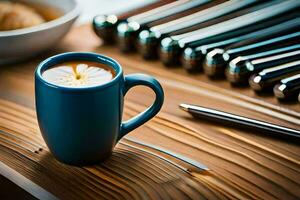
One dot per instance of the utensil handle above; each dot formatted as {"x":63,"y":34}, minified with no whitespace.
{"x":223,"y":117}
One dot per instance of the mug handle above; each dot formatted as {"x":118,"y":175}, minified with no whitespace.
{"x":142,"y":79}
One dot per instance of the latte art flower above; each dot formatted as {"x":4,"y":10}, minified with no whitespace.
{"x":80,"y":76}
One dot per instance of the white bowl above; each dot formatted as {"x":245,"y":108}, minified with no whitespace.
{"x":18,"y":44}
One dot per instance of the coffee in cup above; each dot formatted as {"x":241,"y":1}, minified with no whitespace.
{"x":79,"y":74}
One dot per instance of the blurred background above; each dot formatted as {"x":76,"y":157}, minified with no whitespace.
{"x":90,"y":8}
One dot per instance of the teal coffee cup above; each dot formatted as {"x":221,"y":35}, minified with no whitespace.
{"x":81,"y":126}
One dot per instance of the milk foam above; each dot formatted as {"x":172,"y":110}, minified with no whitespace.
{"x":80,"y":77}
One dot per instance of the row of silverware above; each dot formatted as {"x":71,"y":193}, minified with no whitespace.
{"x":249,"y":42}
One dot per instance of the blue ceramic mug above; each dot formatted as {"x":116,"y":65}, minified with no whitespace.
{"x":82,"y":125}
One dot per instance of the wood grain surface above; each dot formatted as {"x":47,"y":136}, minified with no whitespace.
{"x":242,"y":164}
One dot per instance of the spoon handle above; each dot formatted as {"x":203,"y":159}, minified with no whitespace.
{"x":250,"y":124}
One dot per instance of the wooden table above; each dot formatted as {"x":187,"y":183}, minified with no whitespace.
{"x":242,"y":163}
